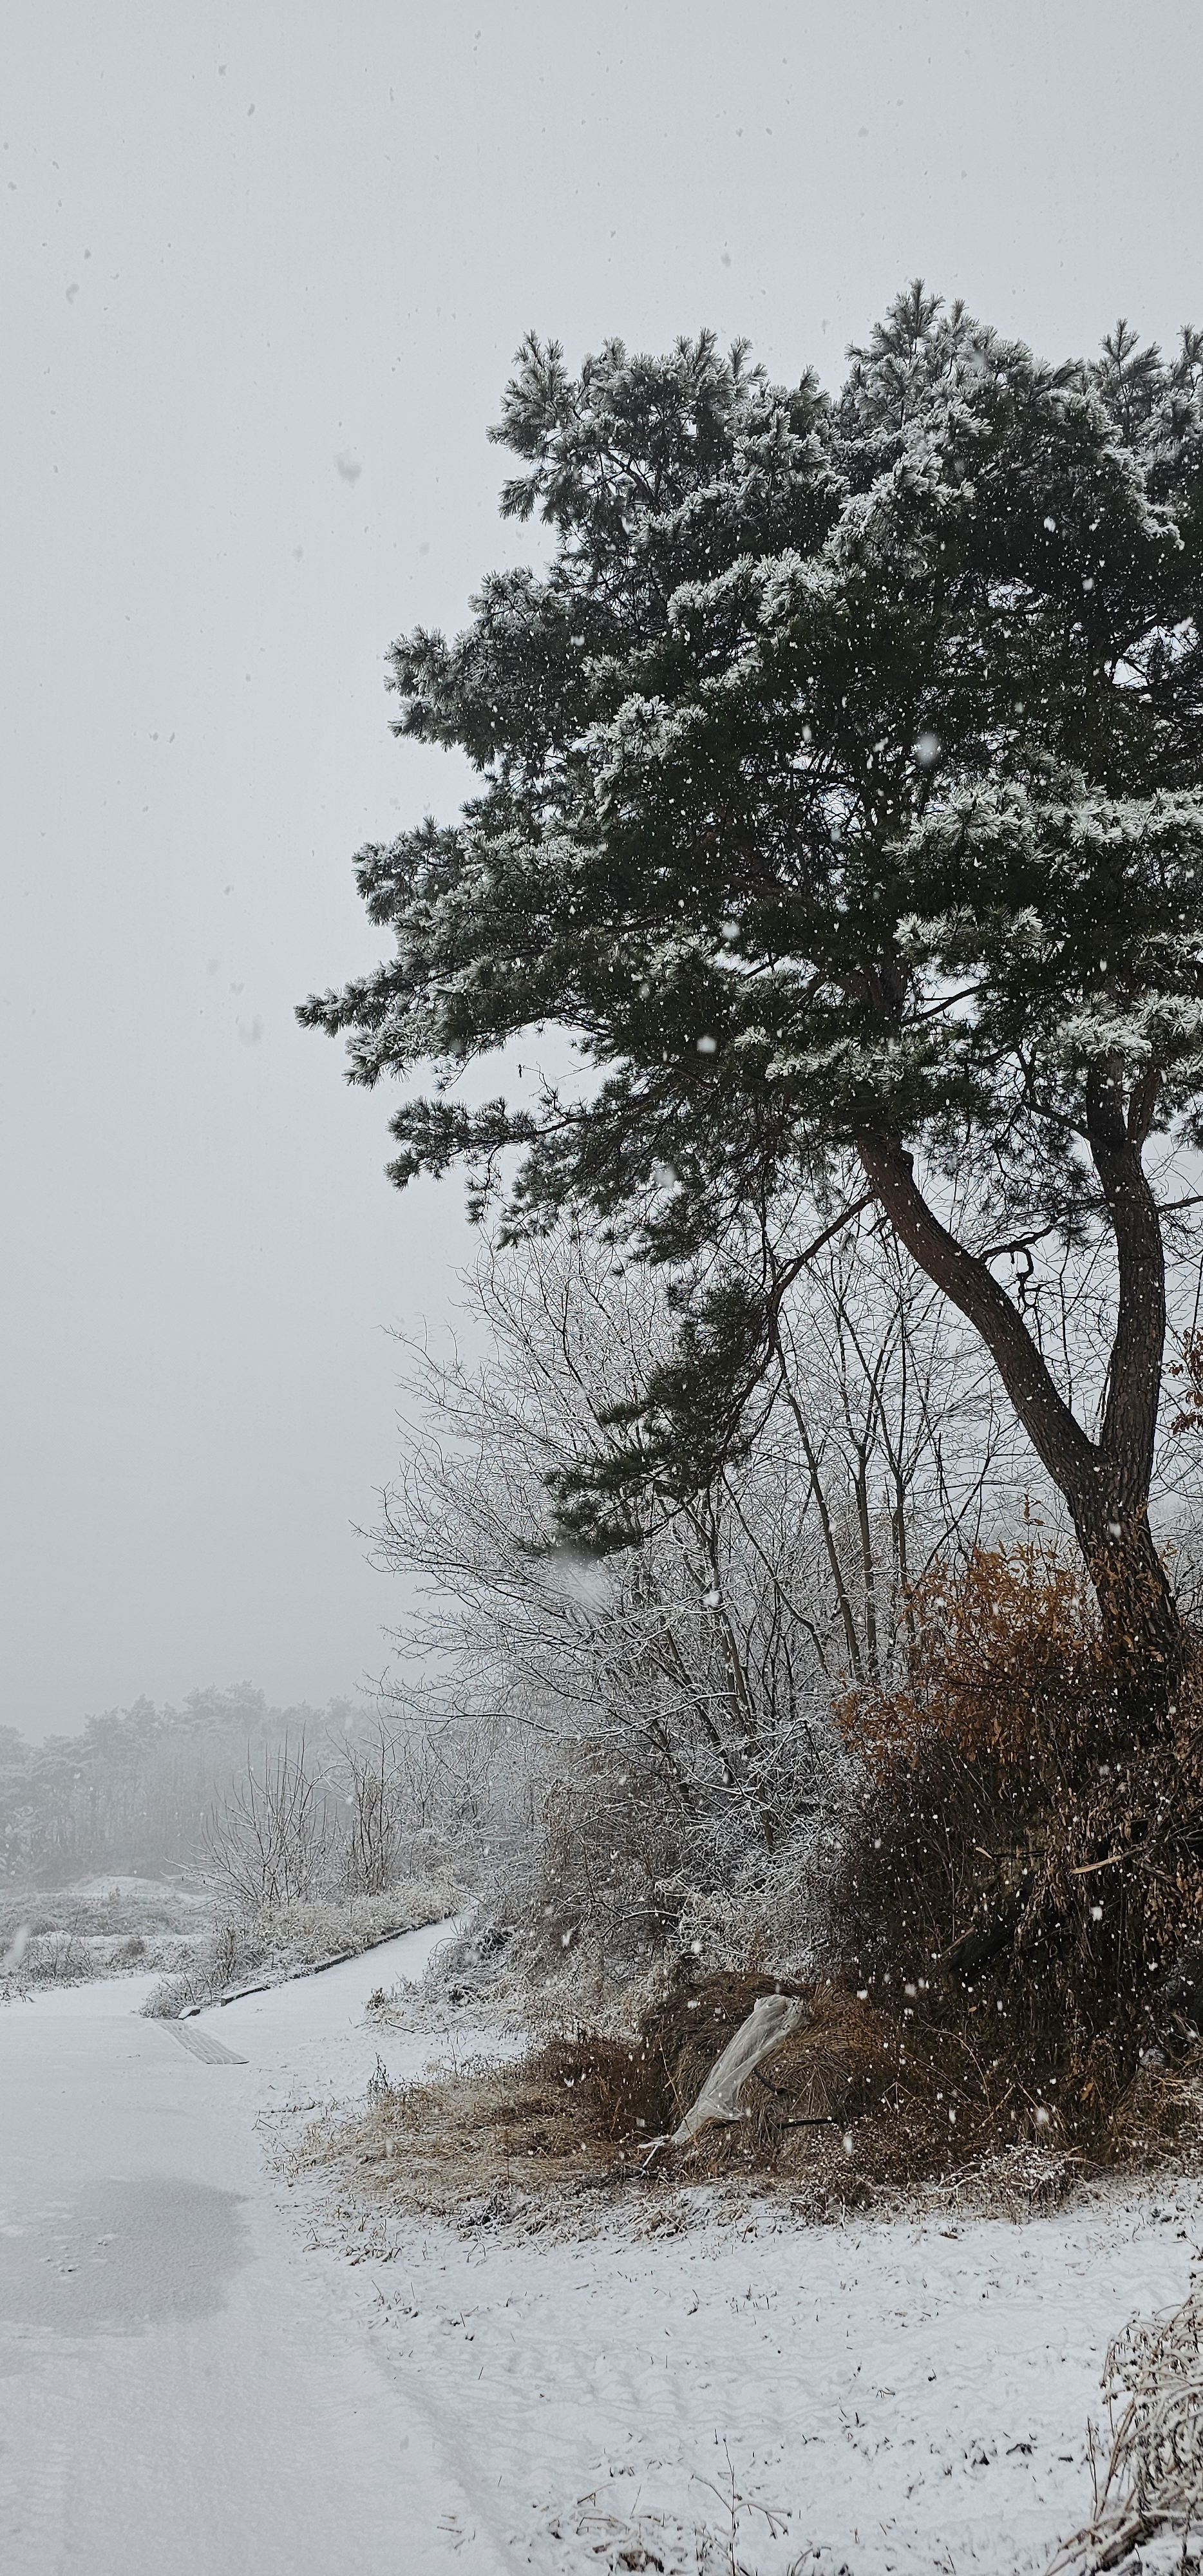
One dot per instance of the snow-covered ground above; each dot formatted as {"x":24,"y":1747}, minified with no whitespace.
{"x":194,"y":2380}
{"x":112,"y":1925}
{"x":184,"y":2391}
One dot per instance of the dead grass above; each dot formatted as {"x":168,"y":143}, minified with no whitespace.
{"x":1149,"y":2495}
{"x":854,"y":2109}
{"x":1158,"y":2124}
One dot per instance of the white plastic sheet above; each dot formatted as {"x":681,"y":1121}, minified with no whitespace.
{"x":771,"y":2020}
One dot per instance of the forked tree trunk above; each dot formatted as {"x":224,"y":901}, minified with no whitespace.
{"x":1105,"y":1483}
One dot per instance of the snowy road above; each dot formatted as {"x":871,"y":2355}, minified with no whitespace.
{"x":191,"y":2384}
{"x":182,"y":2391}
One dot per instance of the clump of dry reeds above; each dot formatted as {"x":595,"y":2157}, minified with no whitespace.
{"x":1151,"y":2487}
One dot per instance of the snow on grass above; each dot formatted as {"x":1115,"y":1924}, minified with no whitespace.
{"x":703,"y":2381}
{"x":736,"y":2390}
{"x":115,"y":1925}
{"x":700,"y":2380}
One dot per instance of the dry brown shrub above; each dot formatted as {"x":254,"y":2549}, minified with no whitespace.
{"x":1028,"y":1861}
{"x":1158,"y":2121}
{"x":855,"y":2103}
{"x":874,"y":2096}
{"x":1189,"y":1365}
{"x":1006,"y":1665}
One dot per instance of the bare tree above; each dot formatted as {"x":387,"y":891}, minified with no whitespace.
{"x":376,"y":1812}
{"x":270,"y":1840}
{"x":675,"y":1694}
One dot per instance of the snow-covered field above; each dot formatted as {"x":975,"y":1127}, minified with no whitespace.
{"x":113,"y":1925}
{"x":195,"y":2381}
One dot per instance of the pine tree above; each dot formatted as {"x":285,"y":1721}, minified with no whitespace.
{"x":840,"y":792}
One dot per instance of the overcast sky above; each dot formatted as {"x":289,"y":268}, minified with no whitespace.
{"x":264,"y":268}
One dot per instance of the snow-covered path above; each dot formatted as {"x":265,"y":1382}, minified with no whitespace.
{"x":192,"y":2384}
{"x":182,"y":2391}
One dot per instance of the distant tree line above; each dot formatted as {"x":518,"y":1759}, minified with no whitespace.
{"x":131,"y":1792}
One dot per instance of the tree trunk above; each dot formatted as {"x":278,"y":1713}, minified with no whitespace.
{"x":1105,"y":1484}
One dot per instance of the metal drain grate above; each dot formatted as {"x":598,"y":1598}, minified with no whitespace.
{"x":199,"y":2044}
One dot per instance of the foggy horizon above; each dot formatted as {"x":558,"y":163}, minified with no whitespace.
{"x":266,"y":274}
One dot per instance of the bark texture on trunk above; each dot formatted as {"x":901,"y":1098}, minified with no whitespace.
{"x":1106,"y":1482}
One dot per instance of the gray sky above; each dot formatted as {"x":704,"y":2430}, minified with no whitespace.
{"x":264,"y":268}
